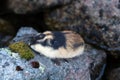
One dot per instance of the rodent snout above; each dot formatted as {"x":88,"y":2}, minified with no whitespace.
{"x":37,"y":37}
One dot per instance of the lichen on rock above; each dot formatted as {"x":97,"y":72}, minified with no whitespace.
{"x":23,"y":50}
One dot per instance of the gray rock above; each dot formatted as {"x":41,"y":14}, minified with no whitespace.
{"x":89,"y":66}
{"x":9,"y":62}
{"x":25,"y":31}
{"x":69,"y":15}
{"x":24,"y":34}
{"x":83,"y":67}
{"x":25,"y":6}
{"x":98,"y":22}
{"x":100,"y":12}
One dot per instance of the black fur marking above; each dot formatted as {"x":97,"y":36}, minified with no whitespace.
{"x":36,"y":37}
{"x":59,"y":40}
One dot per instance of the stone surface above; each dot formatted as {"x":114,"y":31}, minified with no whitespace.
{"x":98,"y":21}
{"x":89,"y":66}
{"x":74,"y":69}
{"x":25,"y":6}
{"x":114,"y":74}
{"x":24,"y":34}
{"x":69,"y":15}
{"x":104,"y":12}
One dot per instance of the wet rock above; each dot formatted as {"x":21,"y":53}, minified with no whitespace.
{"x":25,"y":6}
{"x":97,"y":21}
{"x":89,"y":66}
{"x":114,"y":74}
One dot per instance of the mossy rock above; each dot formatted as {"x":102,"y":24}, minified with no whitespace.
{"x":23,"y":50}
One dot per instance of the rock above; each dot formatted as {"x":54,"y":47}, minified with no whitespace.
{"x":105,"y":15}
{"x":24,"y":34}
{"x":114,"y":74}
{"x":104,"y":11}
{"x":25,"y":6}
{"x":69,"y":15}
{"x":97,"y":21}
{"x":89,"y":66}
{"x":85,"y":67}
{"x":10,"y":70}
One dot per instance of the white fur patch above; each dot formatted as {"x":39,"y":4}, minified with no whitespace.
{"x":47,"y":51}
{"x":58,"y":53}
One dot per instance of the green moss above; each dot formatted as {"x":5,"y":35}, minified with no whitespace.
{"x":23,"y":50}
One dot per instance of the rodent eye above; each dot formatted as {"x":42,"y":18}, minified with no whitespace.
{"x":41,"y":36}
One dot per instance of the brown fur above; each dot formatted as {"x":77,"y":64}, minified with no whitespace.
{"x":74,"y":46}
{"x":72,"y":39}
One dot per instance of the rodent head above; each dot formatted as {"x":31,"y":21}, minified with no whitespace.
{"x":54,"y":39}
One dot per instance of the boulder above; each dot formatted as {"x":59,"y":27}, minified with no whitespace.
{"x":89,"y":66}
{"x":97,"y":21}
{"x":34,"y":6}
